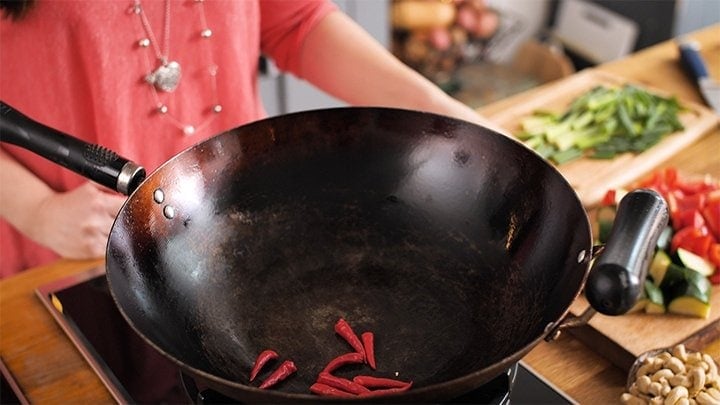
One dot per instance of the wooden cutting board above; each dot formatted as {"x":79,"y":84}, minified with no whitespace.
{"x":591,"y":178}
{"x":621,"y":339}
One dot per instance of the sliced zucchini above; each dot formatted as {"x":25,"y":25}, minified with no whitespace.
{"x":692,"y":261}
{"x":663,"y":242}
{"x":690,"y":306}
{"x":656,"y":301}
{"x":659,"y":266}
{"x":681,"y":281}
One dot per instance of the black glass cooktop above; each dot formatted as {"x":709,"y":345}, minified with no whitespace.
{"x":135,"y":373}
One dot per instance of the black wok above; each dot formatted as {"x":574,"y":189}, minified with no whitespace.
{"x":458,"y":247}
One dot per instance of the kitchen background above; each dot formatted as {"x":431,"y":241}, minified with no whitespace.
{"x":535,"y":41}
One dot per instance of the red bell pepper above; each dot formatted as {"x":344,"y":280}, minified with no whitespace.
{"x":714,"y":256}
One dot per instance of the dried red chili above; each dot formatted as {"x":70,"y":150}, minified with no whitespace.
{"x":343,"y":329}
{"x":328,"y":391}
{"x":368,"y":341}
{"x":280,"y":374}
{"x":342,"y":360}
{"x":262,"y":359}
{"x":341,"y":383}
{"x":369,"y":381}
{"x":386,"y":391}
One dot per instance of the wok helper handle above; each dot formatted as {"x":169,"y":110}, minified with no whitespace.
{"x":617,"y":277}
{"x":89,"y":160}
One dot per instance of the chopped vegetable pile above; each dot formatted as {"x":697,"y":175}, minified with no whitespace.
{"x":602,"y":123}
{"x":687,"y":259}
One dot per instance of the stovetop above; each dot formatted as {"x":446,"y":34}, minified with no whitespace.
{"x":134,"y":372}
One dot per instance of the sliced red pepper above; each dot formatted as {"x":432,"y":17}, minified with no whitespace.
{"x":691,"y":217}
{"x":262,"y":359}
{"x":345,"y":331}
{"x":281,"y":373}
{"x":609,"y":198}
{"x":380,"y":382}
{"x":342,"y":384}
{"x":342,"y":360}
{"x":714,"y":256}
{"x":691,"y":202}
{"x":711,"y":213}
{"x":695,"y":187}
{"x":684,"y":238}
{"x":328,"y":391}
{"x":368,"y":341}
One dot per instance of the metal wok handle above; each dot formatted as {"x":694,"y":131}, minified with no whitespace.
{"x":89,"y":160}
{"x":617,"y":277}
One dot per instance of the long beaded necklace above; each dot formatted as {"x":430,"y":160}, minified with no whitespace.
{"x":166,"y":76}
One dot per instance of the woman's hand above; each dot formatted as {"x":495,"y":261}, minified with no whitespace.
{"x":76,"y":224}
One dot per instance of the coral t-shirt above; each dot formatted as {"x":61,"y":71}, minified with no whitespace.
{"x":79,"y":67}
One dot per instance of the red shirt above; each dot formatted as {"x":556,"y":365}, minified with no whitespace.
{"x":78,"y":66}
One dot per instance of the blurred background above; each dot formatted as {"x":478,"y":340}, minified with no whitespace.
{"x":480,"y":51}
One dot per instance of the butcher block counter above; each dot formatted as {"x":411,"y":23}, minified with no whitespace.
{"x":49,"y":369}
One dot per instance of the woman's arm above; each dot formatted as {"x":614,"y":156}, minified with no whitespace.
{"x":342,"y":59}
{"x":74,"y":224}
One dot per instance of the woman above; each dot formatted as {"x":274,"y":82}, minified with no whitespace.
{"x":150,"y":78}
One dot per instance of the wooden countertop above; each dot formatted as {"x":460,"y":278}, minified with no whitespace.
{"x":49,"y":369}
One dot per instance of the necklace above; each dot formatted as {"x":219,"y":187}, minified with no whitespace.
{"x":166,"y":76}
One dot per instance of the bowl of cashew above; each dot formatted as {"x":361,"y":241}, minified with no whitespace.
{"x":673,"y":375}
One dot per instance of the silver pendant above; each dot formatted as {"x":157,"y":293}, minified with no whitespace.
{"x":166,"y":77}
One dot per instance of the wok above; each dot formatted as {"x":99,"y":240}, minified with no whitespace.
{"x":460,"y":248}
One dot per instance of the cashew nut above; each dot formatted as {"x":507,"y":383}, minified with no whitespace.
{"x":697,"y":375}
{"x":704,"y":398}
{"x":676,"y":365}
{"x":675,"y":395}
{"x":712,"y":367}
{"x":714,"y":392}
{"x":630,"y":399}
{"x":680,"y":352}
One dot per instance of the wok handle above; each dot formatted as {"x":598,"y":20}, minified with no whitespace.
{"x":617,"y":277}
{"x":89,"y":160}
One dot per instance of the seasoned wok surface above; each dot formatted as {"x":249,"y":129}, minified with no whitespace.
{"x":454,"y":245}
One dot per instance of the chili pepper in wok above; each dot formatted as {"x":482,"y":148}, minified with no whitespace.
{"x":281,"y":373}
{"x":386,"y":391}
{"x":369,"y":381}
{"x":341,"y":384}
{"x":343,"y":329}
{"x":328,"y":391}
{"x":342,"y":360}
{"x":368,"y":341}
{"x":262,"y":359}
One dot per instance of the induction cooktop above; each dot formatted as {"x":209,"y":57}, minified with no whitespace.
{"x":134,"y":372}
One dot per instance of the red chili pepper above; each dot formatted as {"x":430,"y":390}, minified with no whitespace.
{"x":342,"y":360}
{"x":386,"y":391}
{"x":342,"y":384}
{"x":280,"y":374}
{"x":328,"y":391}
{"x":369,"y":381}
{"x":368,"y":341}
{"x":262,"y":359}
{"x":343,"y":329}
